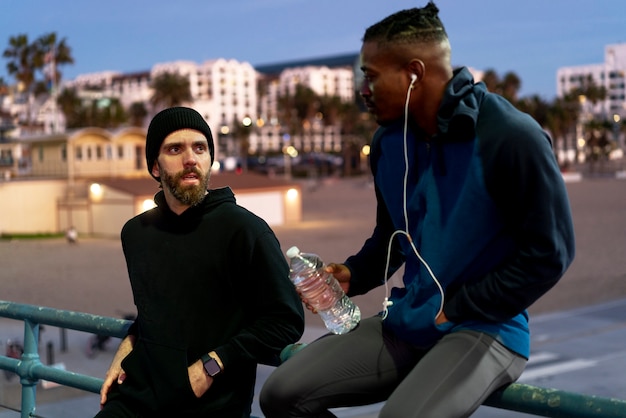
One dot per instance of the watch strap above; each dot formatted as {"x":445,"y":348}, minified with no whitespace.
{"x":205,"y":357}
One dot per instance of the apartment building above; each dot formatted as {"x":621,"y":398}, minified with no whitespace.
{"x":62,"y":166}
{"x":611,"y":74}
{"x":228,"y":94}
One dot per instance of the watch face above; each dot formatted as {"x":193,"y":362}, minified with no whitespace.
{"x":212,"y":368}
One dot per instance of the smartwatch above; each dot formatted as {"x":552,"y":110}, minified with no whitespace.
{"x":211,"y":366}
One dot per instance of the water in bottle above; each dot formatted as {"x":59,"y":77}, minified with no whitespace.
{"x":322,"y":291}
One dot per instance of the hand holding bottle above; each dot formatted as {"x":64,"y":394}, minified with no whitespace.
{"x":321,"y":292}
{"x":341,"y":273}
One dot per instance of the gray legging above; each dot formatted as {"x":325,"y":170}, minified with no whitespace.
{"x":368,"y":365}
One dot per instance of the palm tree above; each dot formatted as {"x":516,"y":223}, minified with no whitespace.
{"x":491,"y":80}
{"x":26,"y":58}
{"x":170,"y":89}
{"x":562,"y":118}
{"x":509,"y":86}
{"x":21,"y":61}
{"x":138,"y":113}
{"x":4,"y":88}
{"x":306,"y":103}
{"x":590,"y":90}
{"x":79,"y":113}
{"x":21,"y":66}
{"x":332,"y":108}
{"x":536,"y":107}
{"x":109,"y":113}
{"x":287,"y":113}
{"x":50,"y":54}
{"x":70,"y":105}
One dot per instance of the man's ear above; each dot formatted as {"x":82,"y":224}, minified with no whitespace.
{"x":155,"y":170}
{"x":417,"y":67}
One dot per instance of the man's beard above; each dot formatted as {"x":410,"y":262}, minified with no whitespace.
{"x":187,"y":195}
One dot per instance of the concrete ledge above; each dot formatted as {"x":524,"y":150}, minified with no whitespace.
{"x":572,"y":176}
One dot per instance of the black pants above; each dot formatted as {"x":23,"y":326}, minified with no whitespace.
{"x":367,"y":366}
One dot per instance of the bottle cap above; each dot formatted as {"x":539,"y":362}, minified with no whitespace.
{"x":293,"y":252}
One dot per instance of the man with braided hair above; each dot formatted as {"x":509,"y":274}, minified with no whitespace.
{"x":472,"y":204}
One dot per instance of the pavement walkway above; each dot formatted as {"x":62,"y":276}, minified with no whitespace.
{"x":338,"y":215}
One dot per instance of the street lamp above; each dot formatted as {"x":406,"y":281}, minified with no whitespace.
{"x":616,"y":131}
{"x":225,"y":140}
{"x":289,"y":152}
{"x":580,"y":134}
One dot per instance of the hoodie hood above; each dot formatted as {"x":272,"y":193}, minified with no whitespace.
{"x":193,"y":215}
{"x":458,"y":113}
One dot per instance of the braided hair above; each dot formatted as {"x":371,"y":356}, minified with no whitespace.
{"x":408,"y":26}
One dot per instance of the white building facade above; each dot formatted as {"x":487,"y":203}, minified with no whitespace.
{"x":225,"y":92}
{"x":611,"y":74}
{"x":317,"y":135}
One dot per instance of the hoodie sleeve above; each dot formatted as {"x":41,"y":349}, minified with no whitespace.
{"x":524,"y":180}
{"x":275,"y":309}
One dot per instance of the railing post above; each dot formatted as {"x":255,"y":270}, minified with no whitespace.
{"x":30,"y":358}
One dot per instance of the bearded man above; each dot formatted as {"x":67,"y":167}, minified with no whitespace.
{"x":210,"y":284}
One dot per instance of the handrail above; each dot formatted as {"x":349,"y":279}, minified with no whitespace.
{"x":29,"y":367}
{"x":515,"y":397}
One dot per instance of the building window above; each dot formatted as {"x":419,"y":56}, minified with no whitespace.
{"x":79,"y":153}
{"x":64,"y":152}
{"x":99,"y":152}
{"x":138,"y":160}
{"x":6,"y":157}
{"x":120,"y":152}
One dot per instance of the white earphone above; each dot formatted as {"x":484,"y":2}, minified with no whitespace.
{"x":413,"y":78}
{"x":388,"y":303}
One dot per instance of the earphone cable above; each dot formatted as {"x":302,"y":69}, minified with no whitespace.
{"x":387,"y":303}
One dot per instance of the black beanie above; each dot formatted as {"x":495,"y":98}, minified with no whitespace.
{"x":169,"y":120}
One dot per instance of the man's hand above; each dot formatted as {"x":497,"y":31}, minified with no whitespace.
{"x":199,"y":380}
{"x":339,"y":272}
{"x":441,"y":318}
{"x":115,"y":374}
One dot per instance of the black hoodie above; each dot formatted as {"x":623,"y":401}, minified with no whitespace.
{"x":212,"y":278}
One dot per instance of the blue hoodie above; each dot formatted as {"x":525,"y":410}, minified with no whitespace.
{"x":487,"y":210}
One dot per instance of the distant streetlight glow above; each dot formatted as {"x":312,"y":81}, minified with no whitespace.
{"x":96,"y":191}
{"x":291,"y":151}
{"x":148,"y":204}
{"x":292,"y":194}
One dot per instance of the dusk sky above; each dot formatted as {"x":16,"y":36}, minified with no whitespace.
{"x":532,"y":38}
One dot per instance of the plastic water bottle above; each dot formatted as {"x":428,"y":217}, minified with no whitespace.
{"x":322,"y":291}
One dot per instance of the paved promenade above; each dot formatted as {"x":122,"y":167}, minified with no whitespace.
{"x":338,"y":215}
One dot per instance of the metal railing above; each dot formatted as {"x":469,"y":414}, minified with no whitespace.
{"x":515,"y":397}
{"x":30,"y":369}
